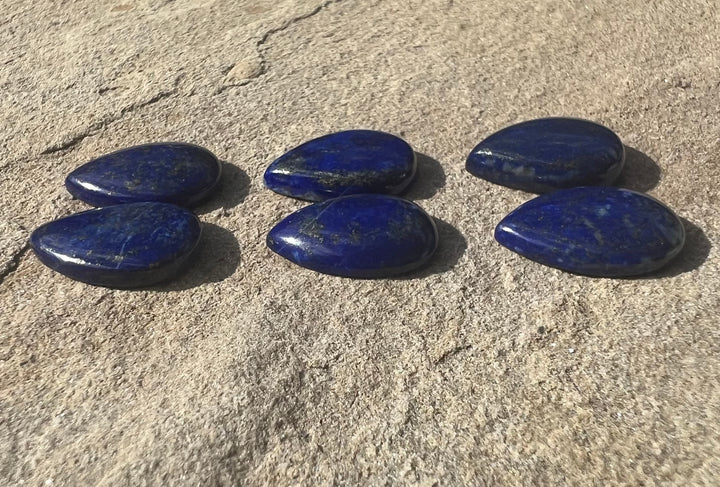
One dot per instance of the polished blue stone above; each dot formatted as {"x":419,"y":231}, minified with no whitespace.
{"x":173,"y":172}
{"x":367,"y":236}
{"x":131,"y":245}
{"x":548,"y":154}
{"x":343,"y":163}
{"x":596,"y":231}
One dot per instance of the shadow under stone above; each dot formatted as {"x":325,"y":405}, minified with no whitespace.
{"x":233,"y":189}
{"x":451,"y":247}
{"x":692,"y":256}
{"x":215,"y":259}
{"x":429,"y":178}
{"x":640,"y":173}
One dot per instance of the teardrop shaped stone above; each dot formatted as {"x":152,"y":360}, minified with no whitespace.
{"x":366,"y":236}
{"x":596,"y":231}
{"x":343,"y":163}
{"x":548,"y":154}
{"x":131,"y":245}
{"x":173,"y":172}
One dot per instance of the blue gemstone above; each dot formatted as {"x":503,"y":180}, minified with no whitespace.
{"x":365,"y":236}
{"x":547,"y":154}
{"x":596,"y":231}
{"x":173,"y":172}
{"x":343,"y":163}
{"x":131,"y":245}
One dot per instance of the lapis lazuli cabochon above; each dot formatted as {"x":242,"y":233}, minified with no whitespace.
{"x":343,"y":163}
{"x":596,"y":231}
{"x":364,"y":236}
{"x":172,"y":172}
{"x":547,"y":154}
{"x":130,"y":245}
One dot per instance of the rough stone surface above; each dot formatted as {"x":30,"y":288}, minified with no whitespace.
{"x":484,"y":368}
{"x":13,"y":239}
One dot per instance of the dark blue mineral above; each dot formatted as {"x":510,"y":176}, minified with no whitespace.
{"x":366,"y":236}
{"x":131,"y":245}
{"x":343,"y":163}
{"x":596,"y":231}
{"x":172,"y":172}
{"x":548,"y":154}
